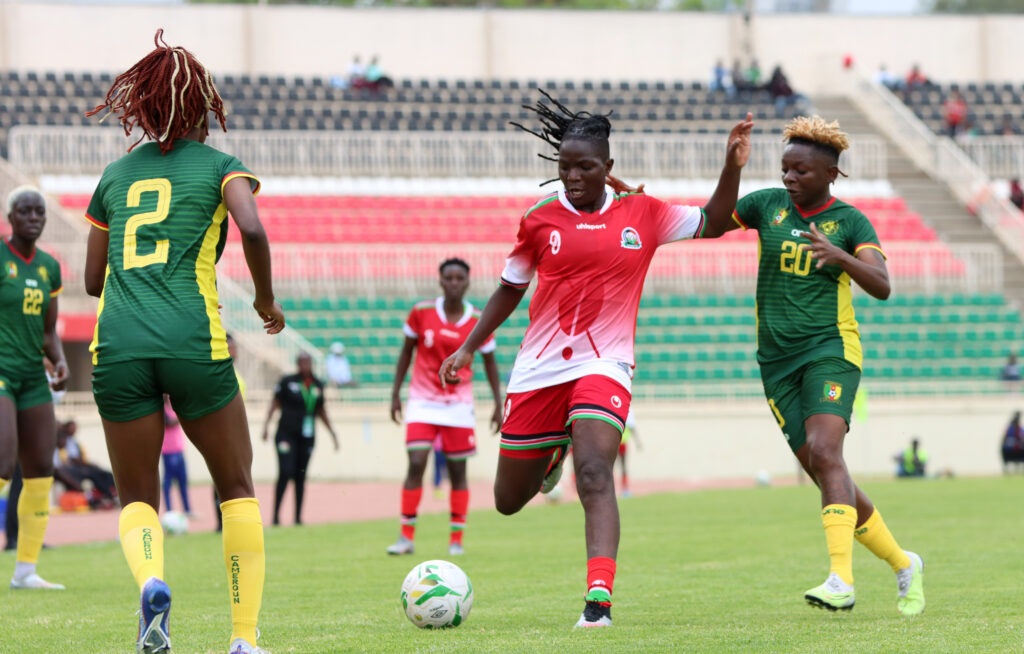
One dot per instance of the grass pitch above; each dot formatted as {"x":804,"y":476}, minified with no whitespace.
{"x":714,"y":571}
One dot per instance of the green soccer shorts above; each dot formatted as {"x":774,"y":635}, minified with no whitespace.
{"x":826,"y":385}
{"x":129,"y":390}
{"x":26,"y":391}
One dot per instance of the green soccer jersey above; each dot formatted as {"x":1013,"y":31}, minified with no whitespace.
{"x":803,"y":313}
{"x":165,"y":214}
{"x":26,"y":288}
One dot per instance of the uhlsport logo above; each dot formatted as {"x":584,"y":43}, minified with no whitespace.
{"x":829,"y":227}
{"x":616,"y":402}
{"x":631,"y":239}
{"x":832,"y":392}
{"x":780,"y":215}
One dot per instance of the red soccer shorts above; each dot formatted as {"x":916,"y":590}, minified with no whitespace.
{"x":539,"y":421}
{"x":456,"y":442}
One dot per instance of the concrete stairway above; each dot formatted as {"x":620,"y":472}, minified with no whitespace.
{"x":926,"y":196}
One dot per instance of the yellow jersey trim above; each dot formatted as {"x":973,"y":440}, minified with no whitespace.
{"x":254,"y":184}
{"x":95,"y":223}
{"x":846,"y":322}
{"x":56,"y":292}
{"x":99,"y":311}
{"x":206,"y":277}
{"x":739,"y":221}
{"x":863,"y":246}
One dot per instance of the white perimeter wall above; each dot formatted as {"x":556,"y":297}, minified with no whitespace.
{"x":692,"y":441}
{"x":508,"y":44}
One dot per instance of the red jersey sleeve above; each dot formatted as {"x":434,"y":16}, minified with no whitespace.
{"x":521,"y":264}
{"x":411,"y":328}
{"x":675,"y":222}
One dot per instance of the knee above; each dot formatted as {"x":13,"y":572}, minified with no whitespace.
{"x":823,"y":458}
{"x":506,"y":504}
{"x":593,"y":478}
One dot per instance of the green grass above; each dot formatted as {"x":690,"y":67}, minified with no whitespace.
{"x":715,"y":571}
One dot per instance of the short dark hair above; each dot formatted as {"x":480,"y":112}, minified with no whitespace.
{"x":454,"y":261}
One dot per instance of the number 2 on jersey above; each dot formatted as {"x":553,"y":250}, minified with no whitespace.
{"x":795,"y":258}
{"x":162,"y":188}
{"x":33,"y":304}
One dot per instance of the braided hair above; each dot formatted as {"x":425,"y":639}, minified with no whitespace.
{"x":560,"y":124}
{"x":167,"y":93}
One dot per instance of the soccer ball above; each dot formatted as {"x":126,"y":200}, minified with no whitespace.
{"x":174,"y":523}
{"x":437,"y":594}
{"x":764,"y":478}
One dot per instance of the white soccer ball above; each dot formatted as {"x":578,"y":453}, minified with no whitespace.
{"x":174,"y":523}
{"x":764,"y":478}
{"x":437,"y":594}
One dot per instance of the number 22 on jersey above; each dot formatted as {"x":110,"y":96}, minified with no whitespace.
{"x":162,"y":187}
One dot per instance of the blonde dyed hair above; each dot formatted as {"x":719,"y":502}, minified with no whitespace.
{"x":815,"y":130}
{"x":22,"y":191}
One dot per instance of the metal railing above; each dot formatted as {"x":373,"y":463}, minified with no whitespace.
{"x":85,"y":150}
{"x":1001,"y":157}
{"x":942,"y":158}
{"x":60,"y":227}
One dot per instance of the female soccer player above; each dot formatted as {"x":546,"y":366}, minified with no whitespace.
{"x":436,"y":328}
{"x":590,"y":249}
{"x":29,"y":285}
{"x":808,"y":344}
{"x":158,"y":226}
{"x":300,"y":397}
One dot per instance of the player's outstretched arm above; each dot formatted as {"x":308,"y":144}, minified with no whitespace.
{"x":503,"y":302}
{"x":96,"y":261}
{"x":242,"y":206}
{"x":401,"y":368}
{"x":718,"y":210}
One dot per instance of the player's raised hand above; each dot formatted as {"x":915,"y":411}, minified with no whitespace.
{"x":738,"y":149}
{"x":272,"y":315}
{"x":450,"y":367}
{"x":822,"y":249}
{"x":620,"y":186}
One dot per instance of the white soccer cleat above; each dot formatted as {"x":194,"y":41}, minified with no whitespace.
{"x":456,"y":549}
{"x":401,"y":546}
{"x":242,"y":646}
{"x":34,"y":582}
{"x":595,"y":614}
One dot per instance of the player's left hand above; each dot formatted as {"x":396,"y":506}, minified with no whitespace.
{"x":272,"y":315}
{"x":496,"y":418}
{"x":620,"y":186}
{"x":60,"y":376}
{"x":450,"y":367}
{"x":822,"y":249}
{"x":738,"y":149}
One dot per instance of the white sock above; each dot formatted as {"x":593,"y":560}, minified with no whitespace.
{"x":22,"y":569}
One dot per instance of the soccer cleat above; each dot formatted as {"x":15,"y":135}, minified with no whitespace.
{"x":242,"y":646}
{"x":910,"y":582}
{"x":402,"y":546}
{"x":595,"y":614}
{"x":554,"y":474}
{"x":456,"y":549}
{"x":34,"y":582}
{"x":154,"y":618}
{"x":834,"y":595}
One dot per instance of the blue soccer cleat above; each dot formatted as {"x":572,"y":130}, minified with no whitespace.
{"x":154,"y":618}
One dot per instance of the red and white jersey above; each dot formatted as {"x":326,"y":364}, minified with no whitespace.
{"x":590,"y":270}
{"x":436,"y":340}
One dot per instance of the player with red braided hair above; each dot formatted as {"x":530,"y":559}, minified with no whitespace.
{"x":158,"y":227}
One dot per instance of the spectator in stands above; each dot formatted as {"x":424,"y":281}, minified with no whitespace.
{"x":1016,"y":194}
{"x":375,"y":77}
{"x":753,"y":74}
{"x":356,"y":72}
{"x":912,"y":461}
{"x":782,"y":93}
{"x":1011,"y":371}
{"x":339,"y":371}
{"x":739,"y":79}
{"x":69,"y":463}
{"x":915,"y":77}
{"x":719,"y":77}
{"x":1013,"y":444}
{"x":884,"y":78}
{"x":954,"y":114}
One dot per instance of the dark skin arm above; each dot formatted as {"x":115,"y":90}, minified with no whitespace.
{"x":96,"y":261}
{"x":503,"y":302}
{"x":401,"y":368}
{"x":54,"y":349}
{"x":321,"y":413}
{"x":491,"y":368}
{"x":867,"y":268}
{"x":274,"y":406}
{"x":241,"y":205}
{"x":718,"y":210}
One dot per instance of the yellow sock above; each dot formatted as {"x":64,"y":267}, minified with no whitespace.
{"x":875,"y":536}
{"x":839,"y":521}
{"x":245,"y":561}
{"x":142,"y":539}
{"x":33,"y":516}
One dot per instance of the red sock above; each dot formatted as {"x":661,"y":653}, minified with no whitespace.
{"x":459,"y":501}
{"x":600,"y":577}
{"x":625,"y":482}
{"x":410,"y":505}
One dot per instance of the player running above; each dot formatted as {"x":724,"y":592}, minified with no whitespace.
{"x":808,"y":344}
{"x":435,"y":329}
{"x":590,"y":249}
{"x":158,"y":227}
{"x":29,"y":284}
